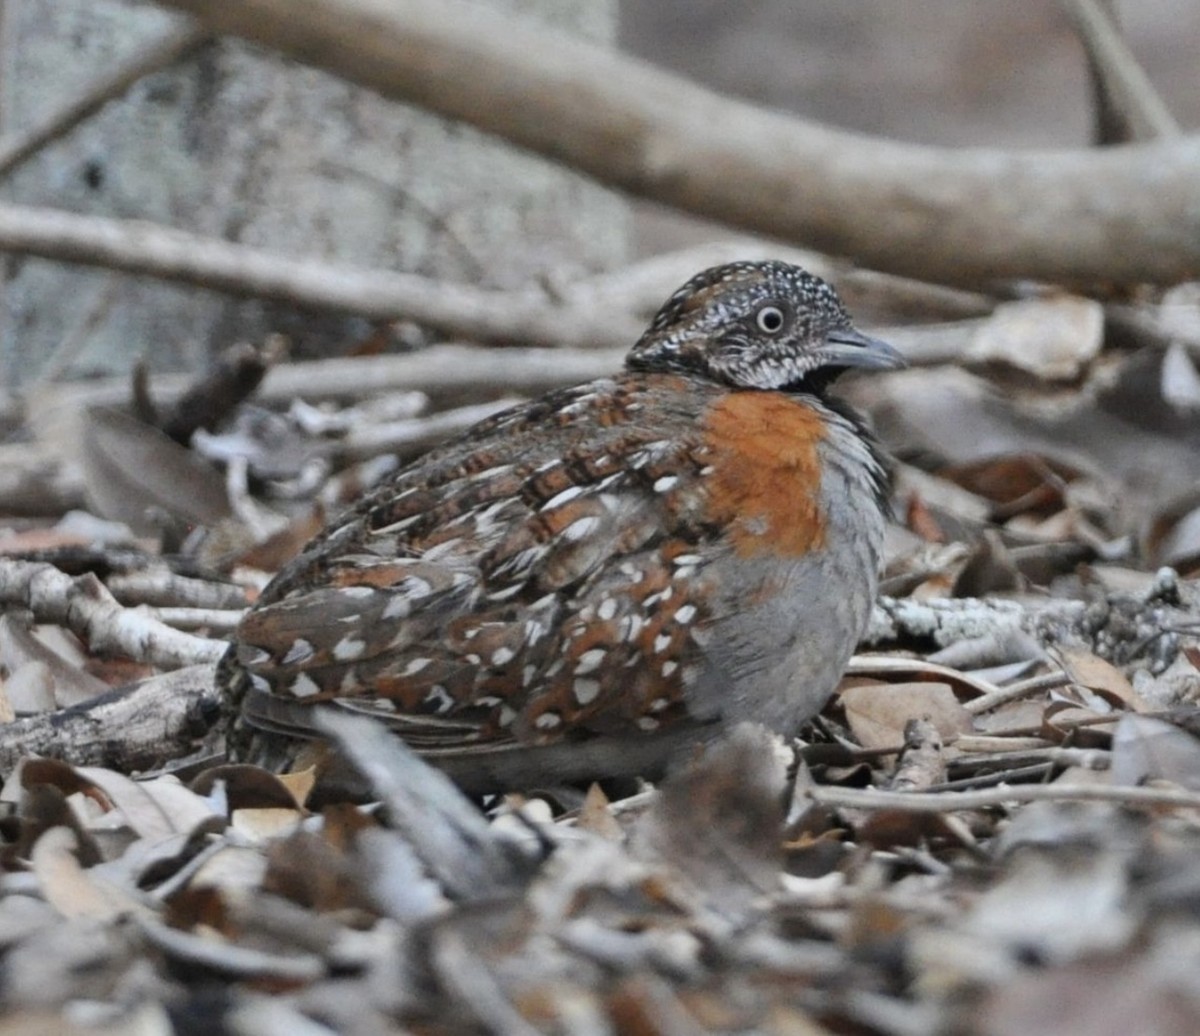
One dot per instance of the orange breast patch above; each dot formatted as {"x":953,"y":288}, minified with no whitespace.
{"x":766,"y":478}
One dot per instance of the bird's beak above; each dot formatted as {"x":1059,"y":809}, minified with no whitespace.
{"x":846,"y":347}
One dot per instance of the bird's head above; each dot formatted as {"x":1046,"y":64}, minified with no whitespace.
{"x":766,"y":325}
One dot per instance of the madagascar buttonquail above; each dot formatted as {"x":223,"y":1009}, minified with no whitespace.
{"x":580,"y":585}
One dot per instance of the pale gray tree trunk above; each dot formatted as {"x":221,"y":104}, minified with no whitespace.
{"x":242,"y":145}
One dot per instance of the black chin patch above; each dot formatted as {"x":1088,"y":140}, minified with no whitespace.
{"x":814,"y":382}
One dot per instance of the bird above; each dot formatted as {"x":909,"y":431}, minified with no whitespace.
{"x":593,"y":582}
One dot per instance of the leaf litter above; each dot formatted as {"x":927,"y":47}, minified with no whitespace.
{"x":1031,"y":642}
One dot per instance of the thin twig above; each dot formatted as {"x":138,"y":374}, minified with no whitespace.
{"x":588,"y":314}
{"x":951,"y":801}
{"x":1032,"y":773}
{"x":1120,"y":81}
{"x":459,"y":372}
{"x":1088,"y":758}
{"x":1015,"y":692}
{"x":985,"y":744}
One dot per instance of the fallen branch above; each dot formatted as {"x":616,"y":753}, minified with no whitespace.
{"x":974,"y":633}
{"x":159,"y":587}
{"x":85,"y":607}
{"x":954,"y":620}
{"x":161,"y":718}
{"x":139,"y":247}
{"x":1120,"y":216}
{"x":608,"y":311}
{"x":216,"y":620}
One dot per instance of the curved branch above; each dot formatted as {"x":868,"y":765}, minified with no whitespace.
{"x":141,"y":247}
{"x":967,"y":216}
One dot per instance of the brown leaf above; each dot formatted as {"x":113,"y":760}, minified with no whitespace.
{"x":895,"y":828}
{"x":19,"y":646}
{"x":131,"y":468}
{"x":245,"y":787}
{"x":1016,"y":483}
{"x":68,"y":887}
{"x":920,"y":520}
{"x":918,"y":670}
{"x":878,"y":713}
{"x":306,"y":869}
{"x":1103,"y":677}
{"x":1064,"y":719}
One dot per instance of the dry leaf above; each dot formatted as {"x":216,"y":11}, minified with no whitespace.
{"x":877,"y":713}
{"x":596,"y":817}
{"x":1146,"y":749}
{"x":131,"y":468}
{"x":917,"y":670}
{"x":68,"y":887}
{"x":1094,"y":673}
{"x":260,"y":825}
{"x":300,"y":783}
{"x":142,"y":812}
{"x":1051,"y":338}
{"x":1063,"y":719}
{"x":717,"y":823}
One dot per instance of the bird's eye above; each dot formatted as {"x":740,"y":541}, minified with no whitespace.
{"x":770,"y":319}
